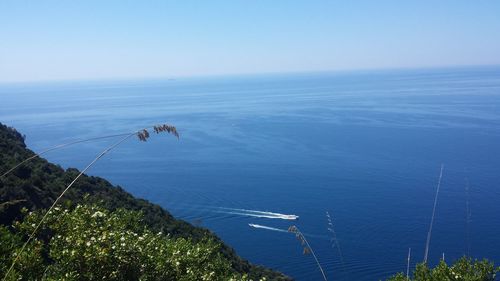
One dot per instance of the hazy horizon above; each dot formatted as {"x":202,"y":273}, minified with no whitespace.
{"x":113,"y":40}
{"x":251,"y":74}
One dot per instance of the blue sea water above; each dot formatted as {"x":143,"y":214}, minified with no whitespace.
{"x":365,"y":146}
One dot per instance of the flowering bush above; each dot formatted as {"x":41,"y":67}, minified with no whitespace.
{"x":464,"y":269}
{"x":91,"y":243}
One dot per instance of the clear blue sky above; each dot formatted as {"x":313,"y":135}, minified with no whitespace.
{"x":52,"y":40}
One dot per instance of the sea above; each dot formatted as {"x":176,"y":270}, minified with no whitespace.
{"x":260,"y":153}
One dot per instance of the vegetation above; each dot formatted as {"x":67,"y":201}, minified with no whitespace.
{"x":36,"y":184}
{"x":307,"y":248}
{"x":465,"y":269}
{"x":89,"y":242}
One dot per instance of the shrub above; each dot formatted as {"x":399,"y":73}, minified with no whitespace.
{"x":464,"y":269}
{"x":90,"y":242}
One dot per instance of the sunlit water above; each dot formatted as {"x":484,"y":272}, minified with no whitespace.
{"x":366,"y":147}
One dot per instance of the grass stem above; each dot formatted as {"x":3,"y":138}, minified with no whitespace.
{"x":433,"y":214}
{"x":307,"y":248}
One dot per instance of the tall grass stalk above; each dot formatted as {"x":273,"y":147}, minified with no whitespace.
{"x":408,"y":265}
{"x":467,"y":216}
{"x":307,"y":247}
{"x":142,"y":134}
{"x":334,"y":239}
{"x":59,"y":146}
{"x":429,"y":234}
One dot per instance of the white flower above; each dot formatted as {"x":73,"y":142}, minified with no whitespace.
{"x":98,"y":214}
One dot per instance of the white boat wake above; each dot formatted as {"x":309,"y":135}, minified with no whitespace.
{"x":258,"y":214}
{"x":284,"y":230}
{"x":266,"y":227}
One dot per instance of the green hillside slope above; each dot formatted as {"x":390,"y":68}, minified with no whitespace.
{"x":38,"y":183}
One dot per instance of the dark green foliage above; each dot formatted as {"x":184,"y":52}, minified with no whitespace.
{"x":465,"y":269}
{"x":38,"y":183}
{"x":89,"y":242}
{"x":30,"y":262}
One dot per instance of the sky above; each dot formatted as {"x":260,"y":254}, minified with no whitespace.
{"x":81,"y":40}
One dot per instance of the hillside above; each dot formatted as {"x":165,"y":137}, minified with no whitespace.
{"x":35,"y":185}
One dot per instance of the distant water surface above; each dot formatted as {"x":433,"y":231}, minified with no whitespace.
{"x":364,"y":146}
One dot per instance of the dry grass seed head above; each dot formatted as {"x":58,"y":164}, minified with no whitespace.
{"x":143,"y":135}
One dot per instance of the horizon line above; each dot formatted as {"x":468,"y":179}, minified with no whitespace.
{"x":243,"y":74}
